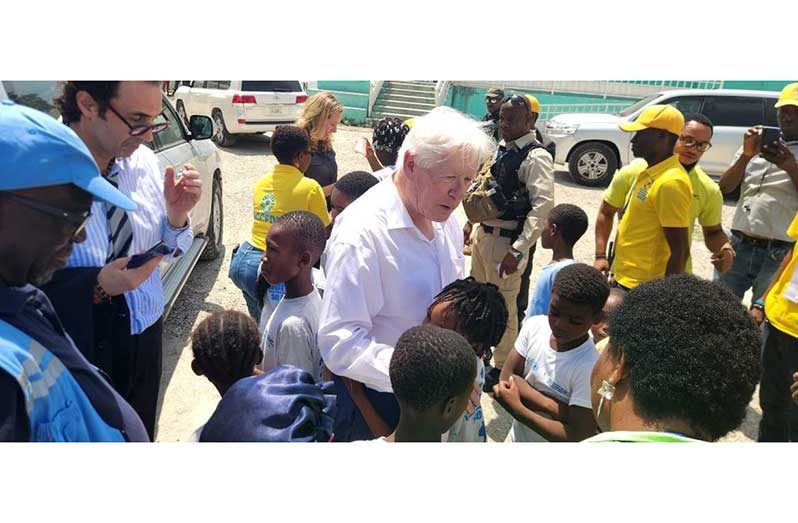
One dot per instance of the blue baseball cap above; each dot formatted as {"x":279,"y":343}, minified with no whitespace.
{"x":284,"y":404}
{"x":37,"y":150}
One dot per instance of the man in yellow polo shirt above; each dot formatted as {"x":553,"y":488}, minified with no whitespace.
{"x":780,"y":354}
{"x":694,"y":141}
{"x":282,"y":190}
{"x":653,"y":237}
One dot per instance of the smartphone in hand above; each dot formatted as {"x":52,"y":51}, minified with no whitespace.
{"x":360,"y":146}
{"x":159,"y":249}
{"x":770,"y":135}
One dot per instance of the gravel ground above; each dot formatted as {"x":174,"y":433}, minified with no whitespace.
{"x":188,"y":400}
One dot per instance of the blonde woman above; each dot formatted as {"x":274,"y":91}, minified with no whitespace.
{"x":320,"y":118}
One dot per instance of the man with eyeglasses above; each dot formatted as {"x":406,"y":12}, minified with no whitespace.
{"x":707,"y":207}
{"x":501,"y":247}
{"x":653,"y":233}
{"x":767,"y":175}
{"x":113,"y":313}
{"x":48,"y":390}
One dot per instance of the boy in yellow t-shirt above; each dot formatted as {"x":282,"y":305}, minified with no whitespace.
{"x":282,"y":190}
{"x":779,"y":306}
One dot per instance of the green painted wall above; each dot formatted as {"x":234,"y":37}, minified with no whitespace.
{"x":353,"y":94}
{"x":471,"y":100}
{"x":765,"y":85}
{"x":348,"y":86}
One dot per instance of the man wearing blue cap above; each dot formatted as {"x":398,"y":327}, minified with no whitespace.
{"x":48,"y":390}
{"x":122,"y":331}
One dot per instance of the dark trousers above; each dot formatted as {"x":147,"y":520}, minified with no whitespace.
{"x":349,"y":423}
{"x":779,"y":362}
{"x":523,"y":294}
{"x":137,"y":365}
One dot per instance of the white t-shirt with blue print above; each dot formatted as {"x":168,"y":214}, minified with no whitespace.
{"x":470,"y":427}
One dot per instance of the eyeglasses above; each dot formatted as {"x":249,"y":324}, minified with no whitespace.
{"x":138,"y":130}
{"x":76,"y":219}
{"x":689,"y":141}
{"x":514,"y":99}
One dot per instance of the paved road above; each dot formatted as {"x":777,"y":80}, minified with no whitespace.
{"x":188,"y":400}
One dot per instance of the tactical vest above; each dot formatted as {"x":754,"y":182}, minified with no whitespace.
{"x":505,"y":171}
{"x":58,"y":409}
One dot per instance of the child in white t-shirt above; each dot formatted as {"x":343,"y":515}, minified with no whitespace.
{"x":545,"y":382}
{"x":476,"y":311}
{"x":293,"y":246}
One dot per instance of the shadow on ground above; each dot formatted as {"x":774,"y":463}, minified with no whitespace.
{"x":189,"y":304}
{"x":250,"y":145}
{"x":564,"y":178}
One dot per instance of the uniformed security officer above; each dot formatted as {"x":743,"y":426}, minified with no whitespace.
{"x":500,"y":247}
{"x":493,"y":101}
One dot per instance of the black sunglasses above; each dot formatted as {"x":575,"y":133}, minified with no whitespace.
{"x":138,"y":130}
{"x":514,"y":99}
{"x":76,"y":219}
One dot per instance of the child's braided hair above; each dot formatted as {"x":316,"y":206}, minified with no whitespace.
{"x":226,"y":346}
{"x":481,"y":312}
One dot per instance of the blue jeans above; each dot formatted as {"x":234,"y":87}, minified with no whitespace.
{"x":349,"y":422}
{"x":754,"y":266}
{"x":244,"y":273}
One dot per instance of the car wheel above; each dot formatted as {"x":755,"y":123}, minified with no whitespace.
{"x":181,"y":111}
{"x":593,"y":164}
{"x":220,"y":135}
{"x":215,"y":223}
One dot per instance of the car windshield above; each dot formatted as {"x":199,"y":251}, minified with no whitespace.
{"x":36,"y":94}
{"x":637,"y":105}
{"x":280,"y":86}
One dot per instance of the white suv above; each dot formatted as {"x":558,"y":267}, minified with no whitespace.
{"x":241,"y":107}
{"x":594,"y":147}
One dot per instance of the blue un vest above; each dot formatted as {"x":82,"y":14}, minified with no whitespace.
{"x":58,"y":409}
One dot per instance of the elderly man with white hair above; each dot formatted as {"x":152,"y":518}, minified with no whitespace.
{"x":391,"y":252}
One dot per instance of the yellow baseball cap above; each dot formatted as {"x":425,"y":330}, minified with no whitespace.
{"x":409,"y":122}
{"x":788,"y":96}
{"x":534,"y":105}
{"x":664,"y":117}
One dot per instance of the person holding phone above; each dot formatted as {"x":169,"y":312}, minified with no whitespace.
{"x":113,"y":312}
{"x":48,"y":391}
{"x":383,"y":151}
{"x":766,"y":172}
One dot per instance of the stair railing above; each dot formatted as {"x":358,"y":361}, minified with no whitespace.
{"x":441,"y":89}
{"x":375,"y":86}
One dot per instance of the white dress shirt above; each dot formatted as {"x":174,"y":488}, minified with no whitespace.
{"x":382,"y":274}
{"x":141,"y":180}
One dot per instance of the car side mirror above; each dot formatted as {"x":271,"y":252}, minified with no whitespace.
{"x":201,"y":127}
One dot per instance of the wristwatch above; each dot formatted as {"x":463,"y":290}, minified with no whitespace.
{"x":517,"y":255}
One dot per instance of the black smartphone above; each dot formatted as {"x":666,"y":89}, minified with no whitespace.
{"x":159,"y":249}
{"x":770,"y":135}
